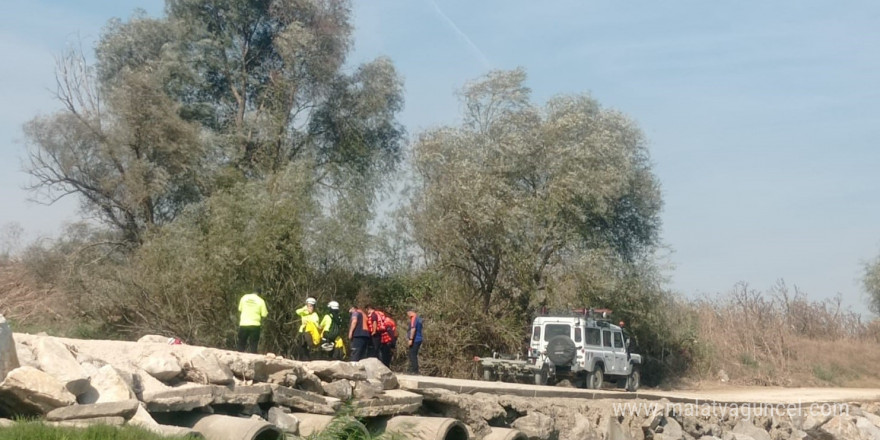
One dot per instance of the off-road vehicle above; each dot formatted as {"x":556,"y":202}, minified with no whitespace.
{"x":585,"y":348}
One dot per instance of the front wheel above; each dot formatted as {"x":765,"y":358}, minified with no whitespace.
{"x":595,"y":379}
{"x":634,"y":380}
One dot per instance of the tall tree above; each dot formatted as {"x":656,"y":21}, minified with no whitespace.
{"x":871,"y":283}
{"x":238,"y":89}
{"x":518,"y":192}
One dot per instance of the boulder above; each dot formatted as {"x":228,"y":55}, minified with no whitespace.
{"x":330,"y":371}
{"x":245,"y":395}
{"x":143,"y":419}
{"x":340,"y":389}
{"x":392,"y":402}
{"x":535,"y":426}
{"x":8,"y":354}
{"x":367,"y":390}
{"x":747,"y":428}
{"x":283,"y":420}
{"x":304,"y":400}
{"x":108,"y":385}
{"x":54,"y":358}
{"x":29,"y":391}
{"x":377,"y":371}
{"x":183,"y":397}
{"x":475,"y":410}
{"x":671,"y":429}
{"x":203,"y":367}
{"x":125,"y":409}
{"x":25,"y":355}
{"x":842,"y":427}
{"x":162,"y":365}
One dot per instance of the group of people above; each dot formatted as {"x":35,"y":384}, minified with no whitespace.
{"x":371,"y":332}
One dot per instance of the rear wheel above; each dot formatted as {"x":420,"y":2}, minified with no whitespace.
{"x":541,"y":377}
{"x":595,"y":379}
{"x":634,"y":380}
{"x":488,"y":375}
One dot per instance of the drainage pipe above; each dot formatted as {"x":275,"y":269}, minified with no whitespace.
{"x":427,"y":428}
{"x":316,"y":423}
{"x":506,"y":434}
{"x":220,"y":427}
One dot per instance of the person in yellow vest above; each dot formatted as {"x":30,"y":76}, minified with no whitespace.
{"x":331,"y":332}
{"x":309,"y":329}
{"x":252,"y":309}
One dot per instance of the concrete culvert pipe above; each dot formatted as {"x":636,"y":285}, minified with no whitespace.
{"x":427,"y":428}
{"x":505,"y":434}
{"x":220,"y":427}
{"x":316,"y":423}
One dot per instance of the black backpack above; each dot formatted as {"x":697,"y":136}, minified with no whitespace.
{"x":335,"y":327}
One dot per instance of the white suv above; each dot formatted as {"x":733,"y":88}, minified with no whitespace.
{"x":582,"y":348}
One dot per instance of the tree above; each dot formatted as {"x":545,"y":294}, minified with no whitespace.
{"x":871,"y":283}
{"x":126,"y":152}
{"x":214,"y":94}
{"x":518,"y":193}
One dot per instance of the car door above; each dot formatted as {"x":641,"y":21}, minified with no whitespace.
{"x":620,"y":361}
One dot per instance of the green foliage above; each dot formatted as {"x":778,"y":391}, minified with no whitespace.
{"x":38,"y":430}
{"x":871,"y":283}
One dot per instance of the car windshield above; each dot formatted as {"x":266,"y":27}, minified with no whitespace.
{"x":551,"y":330}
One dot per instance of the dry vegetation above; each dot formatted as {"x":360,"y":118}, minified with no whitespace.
{"x":783,"y":338}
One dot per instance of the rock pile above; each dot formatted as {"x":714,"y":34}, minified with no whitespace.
{"x":182,"y":389}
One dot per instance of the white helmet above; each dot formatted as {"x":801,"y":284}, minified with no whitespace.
{"x":311,"y":301}
{"x":333,"y":305}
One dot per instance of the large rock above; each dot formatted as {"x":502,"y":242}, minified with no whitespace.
{"x":330,"y":371}
{"x":475,"y":410}
{"x":203,"y":367}
{"x":368,"y":389}
{"x":54,"y":358}
{"x":390,"y":403}
{"x":747,"y":428}
{"x":8,"y":354}
{"x":108,"y":385}
{"x":143,"y":419}
{"x":183,"y":397}
{"x":340,"y":389}
{"x":535,"y":426}
{"x":29,"y":391}
{"x":245,"y":395}
{"x":25,"y":355}
{"x":125,"y":409}
{"x":283,"y":420}
{"x":304,"y":400}
{"x":377,"y":371}
{"x":162,"y":365}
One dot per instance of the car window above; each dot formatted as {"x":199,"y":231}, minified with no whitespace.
{"x":577,"y":334}
{"x":536,"y":333}
{"x":618,"y":340}
{"x":551,"y":330}
{"x":594,"y":336}
{"x":606,"y":338}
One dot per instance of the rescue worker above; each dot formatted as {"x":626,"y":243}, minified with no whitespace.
{"x":414,"y":339}
{"x":331,"y":332}
{"x":252,"y":309}
{"x":309,"y":329}
{"x":379,"y":334}
{"x":358,"y":334}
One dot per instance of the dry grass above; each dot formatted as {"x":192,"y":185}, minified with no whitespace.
{"x":31,"y":305}
{"x":782,"y":338}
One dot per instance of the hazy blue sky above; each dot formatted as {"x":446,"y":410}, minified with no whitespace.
{"x":762,"y":117}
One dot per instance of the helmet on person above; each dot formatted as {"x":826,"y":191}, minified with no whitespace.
{"x":327,"y":346}
{"x":311,"y":301}
{"x":333,"y":305}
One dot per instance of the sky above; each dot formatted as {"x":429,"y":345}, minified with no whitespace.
{"x":761,"y":117}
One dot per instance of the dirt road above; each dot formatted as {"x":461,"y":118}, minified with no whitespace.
{"x":739,"y":395}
